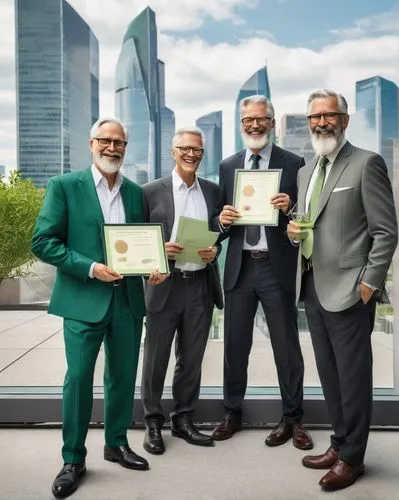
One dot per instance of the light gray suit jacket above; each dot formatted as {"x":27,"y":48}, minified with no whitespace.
{"x":355,"y":230}
{"x":159,"y":207}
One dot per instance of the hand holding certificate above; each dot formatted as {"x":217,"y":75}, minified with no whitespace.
{"x":253,"y":191}
{"x":196,"y":239}
{"x":135,"y":249}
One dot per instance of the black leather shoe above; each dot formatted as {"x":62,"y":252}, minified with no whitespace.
{"x":67,"y":480}
{"x":153,"y":442}
{"x":184,"y":428}
{"x":126,"y":457}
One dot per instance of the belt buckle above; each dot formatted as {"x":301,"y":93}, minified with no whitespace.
{"x":256,"y":254}
{"x":307,"y":265}
{"x":186,"y":274}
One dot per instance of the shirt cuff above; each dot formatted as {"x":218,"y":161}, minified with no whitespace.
{"x":222,"y":228}
{"x":91,"y":270}
{"x":374,"y":288}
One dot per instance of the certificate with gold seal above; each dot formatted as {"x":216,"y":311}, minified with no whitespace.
{"x":135,"y":249}
{"x":253,"y":190}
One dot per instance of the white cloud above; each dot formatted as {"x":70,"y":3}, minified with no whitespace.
{"x":200,"y":77}
{"x":379,"y":24}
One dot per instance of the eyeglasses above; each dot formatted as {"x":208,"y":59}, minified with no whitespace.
{"x":106,"y":142}
{"x":186,"y":149}
{"x":261,"y":120}
{"x":328,"y":117}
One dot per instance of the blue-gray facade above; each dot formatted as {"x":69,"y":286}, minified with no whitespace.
{"x":57,"y":88}
{"x":168,"y":125}
{"x":377,"y":103}
{"x":138,"y":99}
{"x":258,"y":84}
{"x":211,"y":126}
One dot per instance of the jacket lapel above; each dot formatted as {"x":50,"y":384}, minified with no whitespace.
{"x":90,"y":193}
{"x":276,"y":158}
{"x":337,"y":168}
{"x":125,"y":194}
{"x":306,"y":174}
{"x":167,"y":195}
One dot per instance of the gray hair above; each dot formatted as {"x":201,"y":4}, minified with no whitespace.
{"x":101,"y":121}
{"x":257,"y":99}
{"x":342,"y":104}
{"x":188,"y":130}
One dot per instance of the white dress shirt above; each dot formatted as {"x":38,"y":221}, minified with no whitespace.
{"x":110,"y":201}
{"x":264,"y":161}
{"x":190,"y":202}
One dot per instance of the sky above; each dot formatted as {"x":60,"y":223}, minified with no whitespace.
{"x":211,"y":47}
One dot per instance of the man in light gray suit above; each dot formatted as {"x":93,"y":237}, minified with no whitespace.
{"x":342,"y":268}
{"x":185,"y":301}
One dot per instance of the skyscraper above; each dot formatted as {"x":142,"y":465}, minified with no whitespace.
{"x":258,"y":83}
{"x":57,"y":88}
{"x":378,"y":110}
{"x":294,"y":136}
{"x":168,"y":125}
{"x":138,"y":98}
{"x":211,"y":126}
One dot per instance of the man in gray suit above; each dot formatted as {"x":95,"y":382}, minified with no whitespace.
{"x":184,"y":302}
{"x":342,"y":267}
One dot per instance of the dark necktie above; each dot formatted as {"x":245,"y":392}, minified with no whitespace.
{"x":253,"y":232}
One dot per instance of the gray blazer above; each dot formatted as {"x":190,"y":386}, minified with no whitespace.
{"x":355,"y":229}
{"x":159,"y":207}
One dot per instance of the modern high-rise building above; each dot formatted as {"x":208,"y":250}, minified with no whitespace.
{"x":377,"y":117}
{"x":211,"y":126}
{"x":258,"y":84}
{"x":57,"y":88}
{"x":168,"y":125}
{"x":294,"y":136}
{"x":140,"y":100}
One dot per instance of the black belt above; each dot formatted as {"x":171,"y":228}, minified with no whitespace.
{"x":307,"y":264}
{"x":256,"y":254}
{"x":190,"y":274}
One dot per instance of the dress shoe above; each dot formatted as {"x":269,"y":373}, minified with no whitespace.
{"x":153,"y":442}
{"x":284,"y":431}
{"x":184,"y":428}
{"x":67,"y":480}
{"x":324,"y":461}
{"x":226,"y":429}
{"x":341,"y":475}
{"x":126,"y":457}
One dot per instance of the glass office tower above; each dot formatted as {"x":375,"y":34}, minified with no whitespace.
{"x":377,"y":104}
{"x":168,"y":125}
{"x":57,"y":88}
{"x":211,"y":126}
{"x":257,"y":84}
{"x":137,"y":98}
{"x":294,"y":136}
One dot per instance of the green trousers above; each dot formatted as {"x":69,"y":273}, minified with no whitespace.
{"x":121,"y":334}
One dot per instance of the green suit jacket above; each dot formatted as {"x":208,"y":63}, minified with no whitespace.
{"x":68,"y":235}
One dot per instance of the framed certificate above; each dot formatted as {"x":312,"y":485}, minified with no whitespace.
{"x":135,"y":249}
{"x":253,"y":190}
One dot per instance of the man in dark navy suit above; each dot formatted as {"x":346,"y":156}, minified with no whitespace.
{"x":261,"y":266}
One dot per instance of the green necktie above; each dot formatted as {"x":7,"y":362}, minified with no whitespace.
{"x":307,"y":244}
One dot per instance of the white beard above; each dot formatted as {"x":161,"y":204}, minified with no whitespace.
{"x":255,"y":142}
{"x":108,"y":166}
{"x":324,"y":146}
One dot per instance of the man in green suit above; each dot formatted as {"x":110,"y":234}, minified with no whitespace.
{"x":96,"y":303}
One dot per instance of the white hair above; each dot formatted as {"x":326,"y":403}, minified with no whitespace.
{"x":101,"y":121}
{"x":257,"y":99}
{"x":342,"y":104}
{"x":188,"y":130}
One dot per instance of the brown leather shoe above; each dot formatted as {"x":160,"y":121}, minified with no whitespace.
{"x":341,"y":475}
{"x":324,"y":461}
{"x":280,"y":434}
{"x":226,"y":429}
{"x":301,"y":437}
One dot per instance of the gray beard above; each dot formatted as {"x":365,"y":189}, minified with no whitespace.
{"x":253,"y":143}
{"x":324,"y":146}
{"x":107,"y":166}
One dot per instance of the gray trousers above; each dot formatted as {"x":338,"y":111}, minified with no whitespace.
{"x":188,"y":314}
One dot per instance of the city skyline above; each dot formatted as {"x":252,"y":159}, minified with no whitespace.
{"x":202,"y":73}
{"x":57,"y":95}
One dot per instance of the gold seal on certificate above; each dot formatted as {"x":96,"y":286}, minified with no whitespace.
{"x":135,"y":249}
{"x":253,"y":190}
